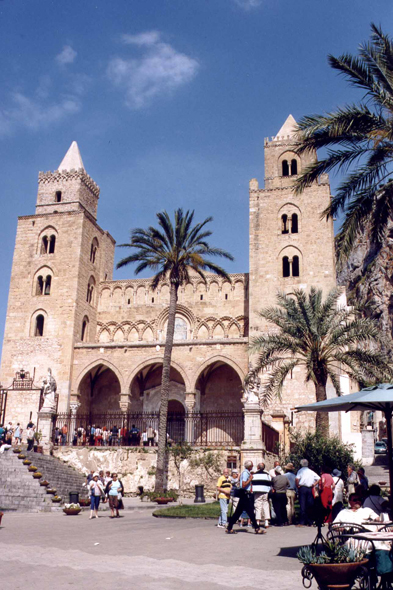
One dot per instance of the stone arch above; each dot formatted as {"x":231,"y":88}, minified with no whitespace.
{"x":117,"y":296}
{"x":119,"y":335}
{"x":288,"y":164}
{"x":202,"y":331}
{"x":97,"y":363}
{"x":218,"y":330}
{"x":35,"y":319}
{"x":104,"y":335}
{"x":285,"y":260}
{"x":94,"y":250}
{"x":287,"y":215}
{"x":215,"y":359}
{"x":214,"y":290}
{"x":181,"y":310}
{"x":105,"y":298}
{"x":238,"y":290}
{"x":158,"y":360}
{"x":43,"y":281}
{"x":234,"y":329}
{"x":129,"y":295}
{"x":47,"y":232}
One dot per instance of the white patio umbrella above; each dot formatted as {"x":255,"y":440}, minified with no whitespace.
{"x":377,"y":397}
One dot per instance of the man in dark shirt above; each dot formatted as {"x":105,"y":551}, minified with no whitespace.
{"x":135,"y":436}
{"x":114,"y":436}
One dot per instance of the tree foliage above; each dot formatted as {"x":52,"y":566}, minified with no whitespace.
{"x":358,"y":139}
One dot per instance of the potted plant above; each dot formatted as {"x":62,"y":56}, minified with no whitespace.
{"x":44,"y":483}
{"x":56,"y":499}
{"x":336,"y":566}
{"x":84,"y":502}
{"x":33,"y":468}
{"x":72,"y":509}
{"x":51,"y":490}
{"x":37,"y":438}
{"x":16,"y":451}
{"x":26,"y":462}
{"x":21,"y":456}
{"x":37,"y":475}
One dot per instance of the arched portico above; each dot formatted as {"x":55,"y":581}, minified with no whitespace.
{"x":145,"y":388}
{"x":99,"y":390}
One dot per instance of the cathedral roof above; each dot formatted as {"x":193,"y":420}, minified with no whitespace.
{"x":73,"y":159}
{"x":289,"y":128}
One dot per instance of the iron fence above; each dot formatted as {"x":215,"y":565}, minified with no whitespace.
{"x":207,"y":429}
{"x":270,"y":437}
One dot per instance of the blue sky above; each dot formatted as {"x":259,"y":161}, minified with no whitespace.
{"x":169,"y":101}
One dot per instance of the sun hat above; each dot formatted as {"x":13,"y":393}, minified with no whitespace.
{"x":95,"y":474}
{"x":289,"y":467}
{"x":336,"y":473}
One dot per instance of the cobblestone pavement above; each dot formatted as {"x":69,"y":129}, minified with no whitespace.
{"x":52,"y":550}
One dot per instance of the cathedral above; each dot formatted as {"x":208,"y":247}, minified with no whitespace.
{"x":103,"y":339}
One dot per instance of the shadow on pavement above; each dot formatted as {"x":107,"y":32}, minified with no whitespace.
{"x":290,"y":551}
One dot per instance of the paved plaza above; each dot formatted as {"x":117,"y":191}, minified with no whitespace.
{"x":51,"y":550}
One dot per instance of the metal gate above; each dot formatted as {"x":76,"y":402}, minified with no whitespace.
{"x":3,"y":404}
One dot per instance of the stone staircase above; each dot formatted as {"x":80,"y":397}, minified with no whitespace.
{"x":20,"y":491}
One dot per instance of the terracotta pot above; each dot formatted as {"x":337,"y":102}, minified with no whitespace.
{"x":44,"y":483}
{"x":336,"y":575}
{"x":162,"y":500}
{"x":37,"y":475}
{"x":16,"y":451}
{"x":33,"y":469}
{"x":71,"y":511}
{"x":21,"y":456}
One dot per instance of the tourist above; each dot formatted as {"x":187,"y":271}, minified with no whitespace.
{"x":114,"y":437}
{"x":234,"y":479}
{"x":98,"y":437}
{"x":101,"y":476}
{"x":135,"y":436}
{"x":291,"y":491}
{"x":338,"y":493}
{"x":75,"y":438}
{"x":306,"y":479}
{"x":2,"y":433}
{"x":156,"y":438}
{"x":30,"y":438}
{"x":105,"y":436}
{"x":115,"y":490}
{"x":144,"y":438}
{"x":8,"y":434}
{"x":326,"y":487}
{"x":280,"y":484}
{"x":96,"y":490}
{"x":362,"y":478}
{"x":223,"y":490}
{"x":355,"y":513}
{"x":261,"y":485}
{"x":150,"y":436}
{"x":18,"y":434}
{"x":352,"y":480}
{"x":246,"y":500}
{"x":375,"y":501}
{"x":64,"y":432}
{"x":272,"y":472}
{"x":108,"y":478}
{"x":89,"y":476}
{"x":123,"y":435}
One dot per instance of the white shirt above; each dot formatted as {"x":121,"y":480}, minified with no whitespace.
{"x":272,"y":473}
{"x":307,"y":477}
{"x":356,"y":517}
{"x":338,"y":494}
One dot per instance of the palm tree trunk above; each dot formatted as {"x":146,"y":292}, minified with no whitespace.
{"x":165,"y":381}
{"x":322,"y":419}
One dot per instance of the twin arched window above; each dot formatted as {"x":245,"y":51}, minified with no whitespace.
{"x":289,"y":168}
{"x":290,"y":266}
{"x":289,"y":223}
{"x":43,"y":285}
{"x":48,"y":244}
{"x":90,"y":291}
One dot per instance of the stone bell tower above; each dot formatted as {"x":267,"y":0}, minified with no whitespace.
{"x":291,"y":247}
{"x":60,"y":256}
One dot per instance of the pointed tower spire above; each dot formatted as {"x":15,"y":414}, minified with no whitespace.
{"x":288,"y":129}
{"x":73,"y":159}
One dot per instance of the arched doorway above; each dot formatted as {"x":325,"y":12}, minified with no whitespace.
{"x":99,"y":391}
{"x":146,"y":388}
{"x":176,"y":421}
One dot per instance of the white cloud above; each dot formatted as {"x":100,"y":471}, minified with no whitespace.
{"x":35,"y":114}
{"x":66,"y":56}
{"x":248,"y":4}
{"x":158,"y":71}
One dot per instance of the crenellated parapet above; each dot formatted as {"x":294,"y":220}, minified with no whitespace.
{"x":61,"y":176}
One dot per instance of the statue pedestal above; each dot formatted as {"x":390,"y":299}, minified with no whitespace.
{"x":252,"y":448}
{"x":45,"y":426}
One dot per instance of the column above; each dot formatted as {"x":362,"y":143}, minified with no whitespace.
{"x":74,"y":407}
{"x":190,"y":400}
{"x":45,"y":427}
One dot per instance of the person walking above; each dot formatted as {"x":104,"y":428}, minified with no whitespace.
{"x":338,"y":493}
{"x":363,"y":480}
{"x":280,"y":484}
{"x":223,"y":489}
{"x":233,"y":499}
{"x":261,"y":485}
{"x":291,"y":491}
{"x":30,"y":438}
{"x":326,"y":488}
{"x":352,"y":480}
{"x":115,"y":491}
{"x":18,"y":434}
{"x":246,"y":500}
{"x":305,"y":480}
{"x":96,"y":490}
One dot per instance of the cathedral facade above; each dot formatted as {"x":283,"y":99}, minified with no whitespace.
{"x":104,"y":339}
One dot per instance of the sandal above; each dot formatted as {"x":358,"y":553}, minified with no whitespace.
{"x":231,"y":532}
{"x":260,"y":532}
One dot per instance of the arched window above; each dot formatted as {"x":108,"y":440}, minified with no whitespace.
{"x":284,"y":224}
{"x":44,"y":245}
{"x":90,"y":291}
{"x":58,"y":197}
{"x":294,"y":223}
{"x":285,"y":168}
{"x":295,"y":266}
{"x":39,"y":325}
{"x":93,"y":250}
{"x":85,"y":329}
{"x":39,"y":286}
{"x":52,"y":244}
{"x":285,"y":267}
{"x":48,"y":282}
{"x":293,"y":167}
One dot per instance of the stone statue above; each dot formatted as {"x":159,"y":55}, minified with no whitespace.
{"x":49,"y":389}
{"x":252,"y":388}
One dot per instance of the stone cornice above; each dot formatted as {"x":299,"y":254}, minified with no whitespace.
{"x":161,"y":344}
{"x":209,"y":276}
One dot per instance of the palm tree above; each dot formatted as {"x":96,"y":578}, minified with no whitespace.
{"x":173,"y":251}
{"x":322,"y":337}
{"x":359,"y":140}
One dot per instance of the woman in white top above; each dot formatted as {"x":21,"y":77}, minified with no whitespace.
{"x":96,"y":490}
{"x":114,"y":490}
{"x":338,"y":493}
